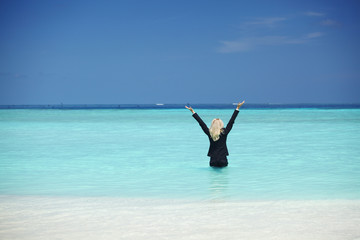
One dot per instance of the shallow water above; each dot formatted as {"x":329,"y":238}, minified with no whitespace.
{"x":274,"y":154}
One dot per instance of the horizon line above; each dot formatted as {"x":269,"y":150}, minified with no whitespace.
{"x":179,"y":105}
{"x":164,"y":103}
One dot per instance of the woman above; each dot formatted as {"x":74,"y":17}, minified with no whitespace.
{"x":217,"y":136}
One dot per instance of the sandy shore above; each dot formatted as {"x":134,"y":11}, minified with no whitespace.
{"x":119,"y":218}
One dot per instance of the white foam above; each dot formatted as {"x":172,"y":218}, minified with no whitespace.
{"x":121,"y":218}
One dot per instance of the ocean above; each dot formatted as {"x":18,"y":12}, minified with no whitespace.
{"x":303,"y":158}
{"x":274,"y":154}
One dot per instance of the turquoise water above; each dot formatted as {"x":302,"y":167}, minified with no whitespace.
{"x":274,"y":154}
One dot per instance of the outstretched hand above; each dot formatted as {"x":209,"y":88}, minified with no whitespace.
{"x":190,"y":108}
{"x":239,"y":105}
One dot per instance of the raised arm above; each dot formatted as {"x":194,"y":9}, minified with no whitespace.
{"x":233,"y":117}
{"x":200,"y":121}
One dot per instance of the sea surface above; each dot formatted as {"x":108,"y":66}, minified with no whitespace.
{"x":275,"y":154}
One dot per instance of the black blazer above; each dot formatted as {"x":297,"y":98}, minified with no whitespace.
{"x":217,"y":148}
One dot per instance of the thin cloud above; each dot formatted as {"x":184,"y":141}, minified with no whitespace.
{"x":248,"y":44}
{"x":329,"y":22}
{"x":19,"y":75}
{"x":314,"y":35}
{"x":314,"y":14}
{"x":267,"y":22}
{"x":236,"y":46}
{"x":253,"y":34}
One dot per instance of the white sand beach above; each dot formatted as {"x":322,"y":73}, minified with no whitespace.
{"x":120,"y":218}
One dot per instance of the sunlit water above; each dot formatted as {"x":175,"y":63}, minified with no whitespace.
{"x":274,"y":154}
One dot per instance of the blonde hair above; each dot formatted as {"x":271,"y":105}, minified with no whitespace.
{"x":216,"y":128}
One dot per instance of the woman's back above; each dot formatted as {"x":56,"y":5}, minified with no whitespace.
{"x":217,"y":148}
{"x":217,"y":135}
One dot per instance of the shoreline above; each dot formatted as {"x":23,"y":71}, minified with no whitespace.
{"x":40,"y":217}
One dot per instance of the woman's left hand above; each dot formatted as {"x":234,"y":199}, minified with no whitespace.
{"x":239,"y":105}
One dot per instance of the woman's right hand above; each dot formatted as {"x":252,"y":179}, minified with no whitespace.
{"x":190,"y":108}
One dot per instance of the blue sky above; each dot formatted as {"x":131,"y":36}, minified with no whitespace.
{"x":87,"y":52}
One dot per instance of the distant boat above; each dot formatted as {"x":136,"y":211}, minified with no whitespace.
{"x":159,"y":104}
